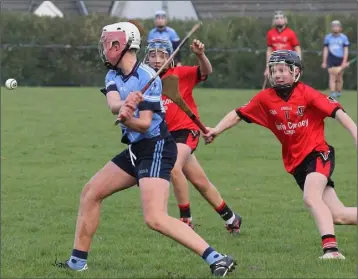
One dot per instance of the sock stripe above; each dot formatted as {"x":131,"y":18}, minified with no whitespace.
{"x":184,"y":206}
{"x":221,"y":207}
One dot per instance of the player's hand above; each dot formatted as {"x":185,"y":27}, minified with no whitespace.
{"x":267,"y":72}
{"x":125,"y":113}
{"x":197,"y":47}
{"x":133,"y":99}
{"x":344,"y":65}
{"x":210,"y":135}
{"x":324,"y":65}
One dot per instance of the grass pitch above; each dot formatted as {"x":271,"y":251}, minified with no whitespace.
{"x":55,"y":139}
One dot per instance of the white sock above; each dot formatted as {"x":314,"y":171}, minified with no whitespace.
{"x":229,"y":222}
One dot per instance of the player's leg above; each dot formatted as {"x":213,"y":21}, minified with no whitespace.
{"x":115,"y":176}
{"x":313,"y":176}
{"x":339,"y":83}
{"x":180,"y":184}
{"x":342,"y":215}
{"x":196,"y":175}
{"x":154,"y":188}
{"x":332,"y":83}
{"x":154,"y":196}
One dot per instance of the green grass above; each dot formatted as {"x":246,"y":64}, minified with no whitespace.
{"x":55,"y":139}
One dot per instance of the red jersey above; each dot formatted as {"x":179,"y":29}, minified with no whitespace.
{"x":286,"y":39}
{"x":298,"y":123}
{"x":189,"y":77}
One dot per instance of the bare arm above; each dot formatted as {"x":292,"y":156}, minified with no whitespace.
{"x":345,"y":55}
{"x":325,"y":55}
{"x":204,"y":64}
{"x":298,"y":50}
{"x":347,"y":123}
{"x":229,"y":121}
{"x":268,"y":54}
{"x":142,"y":123}
{"x":114,"y":101}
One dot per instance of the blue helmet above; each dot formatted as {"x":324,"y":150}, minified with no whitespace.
{"x":160,"y":45}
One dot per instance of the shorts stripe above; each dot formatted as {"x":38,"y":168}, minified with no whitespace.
{"x":154,"y":158}
{"x":160,"y":158}
{"x":155,"y":168}
{"x":323,"y":167}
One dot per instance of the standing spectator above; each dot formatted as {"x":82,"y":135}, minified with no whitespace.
{"x":280,"y":37}
{"x":335,"y":54}
{"x":164,"y":32}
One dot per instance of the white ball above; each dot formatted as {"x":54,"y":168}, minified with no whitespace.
{"x":11,"y":84}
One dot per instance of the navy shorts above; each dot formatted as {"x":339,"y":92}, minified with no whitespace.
{"x":322,"y":162}
{"x":148,"y":158}
{"x":334,"y":61}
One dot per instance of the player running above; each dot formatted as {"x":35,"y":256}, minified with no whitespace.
{"x":148,"y":160}
{"x":187,"y":134}
{"x":335,"y":53}
{"x":280,"y":37}
{"x":295,"y":113}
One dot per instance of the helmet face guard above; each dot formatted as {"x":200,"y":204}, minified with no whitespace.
{"x":282,"y":63}
{"x":279,"y":16}
{"x":106,"y":42}
{"x":156,"y":46}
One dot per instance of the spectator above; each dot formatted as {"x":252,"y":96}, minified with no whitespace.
{"x":335,"y":54}
{"x":164,"y":32}
{"x":280,"y":37}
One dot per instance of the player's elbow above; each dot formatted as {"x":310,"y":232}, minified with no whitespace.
{"x":144,"y":125}
{"x":114,"y":110}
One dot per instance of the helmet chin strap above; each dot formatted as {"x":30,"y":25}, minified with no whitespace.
{"x":126,"y":48}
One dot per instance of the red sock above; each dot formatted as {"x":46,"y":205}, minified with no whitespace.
{"x":329,"y":243}
{"x":184,"y":210}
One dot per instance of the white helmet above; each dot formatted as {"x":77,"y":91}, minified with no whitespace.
{"x":131,"y":32}
{"x":127,"y":36}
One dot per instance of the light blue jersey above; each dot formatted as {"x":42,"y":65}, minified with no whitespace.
{"x":167,"y":33}
{"x":135,"y":81}
{"x":336,"y":44}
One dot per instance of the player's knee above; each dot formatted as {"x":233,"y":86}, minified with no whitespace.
{"x":154,"y":221}
{"x":89,"y":194}
{"x":339,"y":218}
{"x":176,"y":172}
{"x":310,"y":202}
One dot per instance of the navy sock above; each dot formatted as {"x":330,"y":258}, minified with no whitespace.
{"x":78,"y":259}
{"x":80,"y":254}
{"x":210,"y":255}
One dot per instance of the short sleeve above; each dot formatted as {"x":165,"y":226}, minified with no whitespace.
{"x":326,"y":105}
{"x":345,"y":41}
{"x":326,"y":40}
{"x":252,"y":112}
{"x":269,"y":39}
{"x":152,"y":97}
{"x":173,"y":36}
{"x":150,"y":35}
{"x":295,"y":42}
{"x":110,"y":82}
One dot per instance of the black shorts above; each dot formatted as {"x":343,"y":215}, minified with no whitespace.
{"x":188,"y":137}
{"x":334,"y":61}
{"x":150,"y":158}
{"x":316,"y":162}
